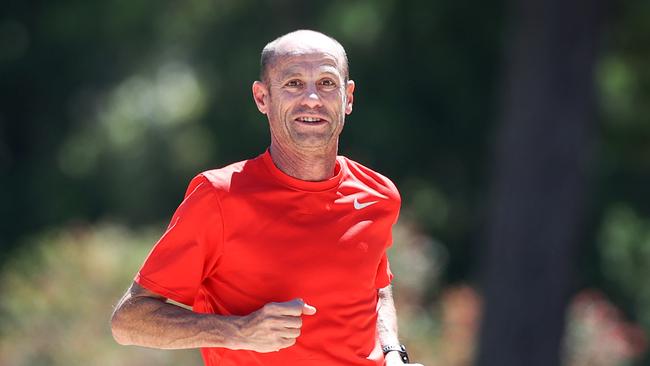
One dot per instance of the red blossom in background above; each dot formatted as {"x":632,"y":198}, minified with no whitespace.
{"x":597,"y":333}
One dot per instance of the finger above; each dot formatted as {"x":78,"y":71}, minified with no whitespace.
{"x":291,"y":322}
{"x":287,"y":342}
{"x":290,"y":333}
{"x":308,"y":309}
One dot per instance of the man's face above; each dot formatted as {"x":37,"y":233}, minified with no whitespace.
{"x":305,"y":98}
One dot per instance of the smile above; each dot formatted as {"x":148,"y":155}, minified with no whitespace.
{"x":311,"y":120}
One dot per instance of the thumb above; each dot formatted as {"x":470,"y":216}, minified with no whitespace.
{"x":307,"y":309}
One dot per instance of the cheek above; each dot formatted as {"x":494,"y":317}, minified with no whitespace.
{"x":334,"y":99}
{"x":286,"y":102}
{"x":277,"y":106}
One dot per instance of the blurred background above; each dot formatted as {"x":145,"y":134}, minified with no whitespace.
{"x":517,"y":133}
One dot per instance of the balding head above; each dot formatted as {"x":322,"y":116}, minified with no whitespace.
{"x":302,"y":42}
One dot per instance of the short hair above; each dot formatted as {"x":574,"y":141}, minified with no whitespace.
{"x":269,"y":52}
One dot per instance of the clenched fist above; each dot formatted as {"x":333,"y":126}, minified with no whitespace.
{"x":273,"y":327}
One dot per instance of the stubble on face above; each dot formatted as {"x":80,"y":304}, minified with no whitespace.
{"x":305,"y":94}
{"x":312,"y":68}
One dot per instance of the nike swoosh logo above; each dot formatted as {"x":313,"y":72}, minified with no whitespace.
{"x":359,"y":206}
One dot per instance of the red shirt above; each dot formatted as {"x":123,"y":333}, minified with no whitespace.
{"x":248,"y":234}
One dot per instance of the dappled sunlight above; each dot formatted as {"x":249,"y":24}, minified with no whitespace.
{"x":172,"y":95}
{"x":135,"y":115}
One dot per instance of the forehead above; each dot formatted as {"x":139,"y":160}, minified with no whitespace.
{"x":303,"y":61}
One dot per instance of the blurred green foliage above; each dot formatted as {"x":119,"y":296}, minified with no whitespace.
{"x":109,"y":108}
{"x":624,"y":242}
{"x":57,"y":297}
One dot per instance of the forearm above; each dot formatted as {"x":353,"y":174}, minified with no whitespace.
{"x":144,"y":318}
{"x":387,"y":318}
{"x":387,"y":327}
{"x":152,"y":322}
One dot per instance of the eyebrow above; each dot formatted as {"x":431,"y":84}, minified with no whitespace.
{"x":293,"y":72}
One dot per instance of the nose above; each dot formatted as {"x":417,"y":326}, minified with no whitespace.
{"x":311,"y":98}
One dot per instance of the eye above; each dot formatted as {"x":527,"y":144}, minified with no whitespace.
{"x":293,"y":83}
{"x":328,"y":83}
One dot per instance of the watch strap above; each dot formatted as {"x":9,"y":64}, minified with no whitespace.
{"x":401,"y":349}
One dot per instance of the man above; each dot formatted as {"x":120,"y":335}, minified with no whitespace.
{"x":282,"y":257}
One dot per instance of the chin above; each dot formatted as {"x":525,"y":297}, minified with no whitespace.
{"x":312,"y":142}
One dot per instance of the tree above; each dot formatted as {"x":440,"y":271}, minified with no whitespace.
{"x":538,"y":188}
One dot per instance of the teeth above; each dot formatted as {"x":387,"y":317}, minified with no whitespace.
{"x":309,"y":119}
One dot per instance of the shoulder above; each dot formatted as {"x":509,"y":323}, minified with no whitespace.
{"x":371,"y":178}
{"x":221,"y":180}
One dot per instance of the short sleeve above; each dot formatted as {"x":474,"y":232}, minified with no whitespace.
{"x":189,"y":249}
{"x":384,"y":275}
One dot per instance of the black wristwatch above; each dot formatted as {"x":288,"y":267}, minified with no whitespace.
{"x":400,"y":349}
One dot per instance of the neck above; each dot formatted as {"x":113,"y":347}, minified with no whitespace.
{"x":311,"y":166}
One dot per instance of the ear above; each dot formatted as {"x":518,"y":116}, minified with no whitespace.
{"x":349,"y":93}
{"x":260,"y":96}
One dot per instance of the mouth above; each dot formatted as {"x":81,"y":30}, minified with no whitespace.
{"x":311,"y":120}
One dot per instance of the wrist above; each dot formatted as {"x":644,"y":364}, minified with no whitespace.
{"x":222,"y":331}
{"x":398,"y":350}
{"x":393,"y":358}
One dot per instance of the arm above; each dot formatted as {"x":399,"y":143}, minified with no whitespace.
{"x":386,"y":317}
{"x":387,"y":325}
{"x":144,"y":318}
